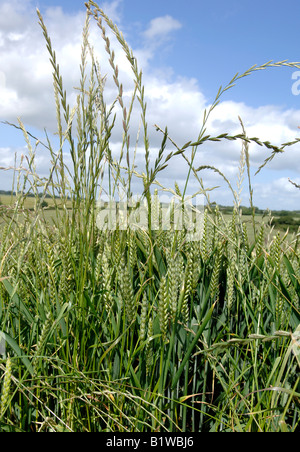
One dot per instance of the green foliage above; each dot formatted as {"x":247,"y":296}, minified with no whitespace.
{"x":133,"y":330}
{"x":285,"y":222}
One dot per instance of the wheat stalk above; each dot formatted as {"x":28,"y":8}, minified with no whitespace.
{"x":6,"y":387}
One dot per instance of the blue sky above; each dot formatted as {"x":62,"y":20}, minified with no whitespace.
{"x":217,"y":39}
{"x":186,"y":50}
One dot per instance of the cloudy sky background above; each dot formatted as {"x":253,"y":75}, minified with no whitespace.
{"x":186,"y":51}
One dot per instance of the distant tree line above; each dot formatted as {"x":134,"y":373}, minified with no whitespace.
{"x":29,"y":195}
{"x":285,"y":222}
{"x":248,"y":211}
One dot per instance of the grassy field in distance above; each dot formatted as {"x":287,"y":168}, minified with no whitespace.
{"x":281,"y":220}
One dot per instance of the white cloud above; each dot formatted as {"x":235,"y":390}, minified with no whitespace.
{"x":11,"y":15}
{"x":268,"y":123}
{"x":113,"y":10}
{"x":161,"y":27}
{"x":6,"y":157}
{"x":278,"y":194}
{"x":26,"y":82}
{"x":178,"y":105}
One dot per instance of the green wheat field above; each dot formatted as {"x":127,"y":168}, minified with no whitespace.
{"x":141,"y":330}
